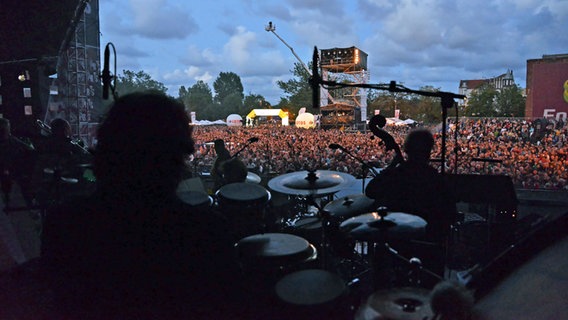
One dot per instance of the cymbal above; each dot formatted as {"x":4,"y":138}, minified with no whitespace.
{"x":399,"y":303}
{"x":319,"y":182}
{"x":349,"y":206}
{"x":395,"y":225}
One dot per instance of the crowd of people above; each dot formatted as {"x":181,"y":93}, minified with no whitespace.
{"x":533,"y":156}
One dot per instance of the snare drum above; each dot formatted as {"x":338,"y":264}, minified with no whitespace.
{"x":264,"y":258}
{"x":276,"y":251}
{"x":244,"y":204}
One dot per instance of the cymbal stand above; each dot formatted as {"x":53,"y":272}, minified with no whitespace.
{"x":324,"y":216}
{"x":416,"y":268}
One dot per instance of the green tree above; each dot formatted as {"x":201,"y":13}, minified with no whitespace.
{"x":131,"y":81}
{"x":481,"y":103}
{"x":387,"y":103}
{"x":297,"y":91}
{"x":510,"y":102}
{"x":226,"y":84}
{"x":198,"y":98}
{"x":426,"y":108}
{"x":254,"y":101}
{"x":233,"y":103}
{"x":228,"y":95}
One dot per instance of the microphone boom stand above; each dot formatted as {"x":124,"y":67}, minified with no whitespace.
{"x":364,"y":166}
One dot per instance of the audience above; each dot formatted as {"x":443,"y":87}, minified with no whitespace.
{"x":531,"y":163}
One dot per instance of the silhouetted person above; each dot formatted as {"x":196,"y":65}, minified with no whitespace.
{"x":234,"y":170}
{"x":414,"y":187}
{"x":133,"y":249}
{"x":217,"y":170}
{"x":226,"y":168}
{"x":16,"y":163}
{"x":60,"y":165}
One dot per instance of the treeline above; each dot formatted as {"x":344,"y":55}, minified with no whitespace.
{"x":227,"y":97}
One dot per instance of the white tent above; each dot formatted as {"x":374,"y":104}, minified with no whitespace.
{"x":268,"y":113}
{"x":234,"y":120}
{"x":394,"y":121}
{"x":305,"y":120}
{"x":209,"y":123}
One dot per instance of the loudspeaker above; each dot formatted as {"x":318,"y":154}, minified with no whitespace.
{"x":493,"y":195}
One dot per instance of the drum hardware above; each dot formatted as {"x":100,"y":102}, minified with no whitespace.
{"x":374,"y":230}
{"x":310,"y":185}
{"x":365,"y":166}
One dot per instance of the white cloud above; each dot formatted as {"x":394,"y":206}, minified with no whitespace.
{"x":161,"y":19}
{"x":411,"y":41}
{"x":236,"y":50}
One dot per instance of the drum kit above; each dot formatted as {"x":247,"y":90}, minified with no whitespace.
{"x":305,"y":244}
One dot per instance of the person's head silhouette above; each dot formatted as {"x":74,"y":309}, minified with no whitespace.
{"x":143,"y":142}
{"x":418,"y":145}
{"x":60,"y":128}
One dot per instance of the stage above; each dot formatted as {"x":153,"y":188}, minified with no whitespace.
{"x":526,"y":279}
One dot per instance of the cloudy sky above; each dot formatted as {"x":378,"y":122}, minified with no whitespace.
{"x":414,"y":42}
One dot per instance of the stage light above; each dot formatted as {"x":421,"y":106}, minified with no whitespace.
{"x":25,"y":75}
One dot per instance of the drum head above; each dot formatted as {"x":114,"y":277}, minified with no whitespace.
{"x":310,"y":287}
{"x":243,"y":192}
{"x":195,"y":198}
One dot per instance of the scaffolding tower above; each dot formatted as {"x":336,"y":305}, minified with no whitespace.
{"x":75,"y":93}
{"x":345,"y":65}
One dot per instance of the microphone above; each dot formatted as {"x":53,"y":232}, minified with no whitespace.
{"x":336,"y":146}
{"x":106,"y":73}
{"x":249,"y":141}
{"x":315,"y":80}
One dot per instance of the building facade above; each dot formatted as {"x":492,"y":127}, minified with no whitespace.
{"x":467,"y":87}
{"x":547,"y":87}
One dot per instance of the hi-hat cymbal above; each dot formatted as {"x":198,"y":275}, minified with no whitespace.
{"x":395,"y":225}
{"x":319,"y":182}
{"x":349,"y":206}
{"x":398,"y":303}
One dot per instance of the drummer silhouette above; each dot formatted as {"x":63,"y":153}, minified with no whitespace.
{"x":133,"y":249}
{"x":414,"y":187}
